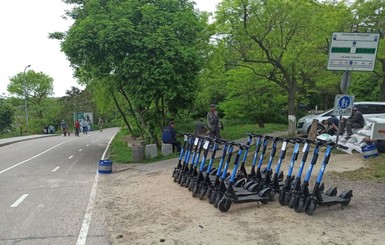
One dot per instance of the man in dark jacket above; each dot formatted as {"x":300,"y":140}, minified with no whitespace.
{"x":356,"y":120}
{"x":169,"y":137}
{"x":331,"y":125}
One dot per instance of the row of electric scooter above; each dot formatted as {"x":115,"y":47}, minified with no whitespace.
{"x":224,"y":187}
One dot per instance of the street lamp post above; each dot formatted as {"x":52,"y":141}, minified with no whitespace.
{"x":25,"y":98}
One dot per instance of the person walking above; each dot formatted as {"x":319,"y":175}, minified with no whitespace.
{"x":77,"y":128}
{"x":213,"y":122}
{"x":64,"y":127}
{"x":85,"y":126}
{"x":101,"y":123}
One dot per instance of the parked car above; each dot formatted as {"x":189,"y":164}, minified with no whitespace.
{"x":368,"y":110}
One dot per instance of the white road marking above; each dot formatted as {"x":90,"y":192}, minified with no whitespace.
{"x":70,"y":157}
{"x":20,"y":163}
{"x":80,"y":149}
{"x":55,"y":169}
{"x":87,"y":144}
{"x":88,"y":215}
{"x":20,"y":200}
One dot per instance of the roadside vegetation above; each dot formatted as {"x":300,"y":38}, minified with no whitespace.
{"x":143,"y":63}
{"x":120,"y":153}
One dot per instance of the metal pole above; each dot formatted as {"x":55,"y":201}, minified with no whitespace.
{"x":25,"y":98}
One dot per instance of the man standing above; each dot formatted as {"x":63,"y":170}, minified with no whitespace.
{"x":356,"y":120}
{"x":213,"y":122}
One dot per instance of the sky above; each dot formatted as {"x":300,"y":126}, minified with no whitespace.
{"x":24,"y":29}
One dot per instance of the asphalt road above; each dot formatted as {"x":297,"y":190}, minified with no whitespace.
{"x":48,"y":187}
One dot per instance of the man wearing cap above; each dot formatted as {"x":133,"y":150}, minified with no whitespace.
{"x":213,"y":122}
{"x":356,"y":120}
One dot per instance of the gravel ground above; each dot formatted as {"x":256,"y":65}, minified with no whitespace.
{"x":142,"y":205}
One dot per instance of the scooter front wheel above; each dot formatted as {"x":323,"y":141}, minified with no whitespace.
{"x":224,"y":204}
{"x":298,"y":206}
{"x":281,"y":199}
{"x":219,"y":197}
{"x":213,"y":197}
{"x":202,"y":193}
{"x":310,"y":207}
{"x":291,"y":202}
{"x":195,"y":190}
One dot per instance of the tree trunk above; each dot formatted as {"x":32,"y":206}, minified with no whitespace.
{"x":381,"y":96}
{"x":123,"y":116}
{"x":132,"y":111}
{"x":292,"y":127}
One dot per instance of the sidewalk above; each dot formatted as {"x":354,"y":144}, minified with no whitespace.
{"x":12,"y":140}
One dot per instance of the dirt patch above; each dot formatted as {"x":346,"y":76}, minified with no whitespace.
{"x":144,"y":206}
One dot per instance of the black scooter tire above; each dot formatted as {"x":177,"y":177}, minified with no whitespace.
{"x":281,"y":199}
{"x":287,"y":198}
{"x":298,"y":206}
{"x":195,"y":190}
{"x":191,"y":185}
{"x":224,"y":204}
{"x":291,"y":202}
{"x":213,"y":197}
{"x":202,"y":193}
{"x":209,"y":194}
{"x":310,"y":208}
{"x":217,"y":200}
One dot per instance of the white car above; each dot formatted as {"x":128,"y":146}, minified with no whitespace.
{"x":368,"y":110}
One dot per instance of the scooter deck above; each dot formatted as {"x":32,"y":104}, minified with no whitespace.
{"x":249,"y":198}
{"x":331,"y":200}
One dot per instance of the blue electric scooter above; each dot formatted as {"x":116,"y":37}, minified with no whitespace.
{"x":232,"y":196}
{"x":186,"y":159}
{"x":295,"y":187}
{"x":300,"y":198}
{"x":316,"y":197}
{"x":284,"y":193}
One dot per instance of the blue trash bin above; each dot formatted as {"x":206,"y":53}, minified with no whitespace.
{"x":369,"y":151}
{"x":105,"y":167}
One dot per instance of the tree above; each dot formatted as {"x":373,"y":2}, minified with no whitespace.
{"x":370,"y":17}
{"x":36,"y":87}
{"x":6,"y":115}
{"x":149,"y":52}
{"x":275,"y":39}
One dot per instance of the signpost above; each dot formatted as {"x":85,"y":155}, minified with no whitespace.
{"x":353,"y":51}
{"x":350,"y":52}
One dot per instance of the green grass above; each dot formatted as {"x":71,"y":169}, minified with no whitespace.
{"x":233,"y":132}
{"x":10,"y":135}
{"x":374,"y":170}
